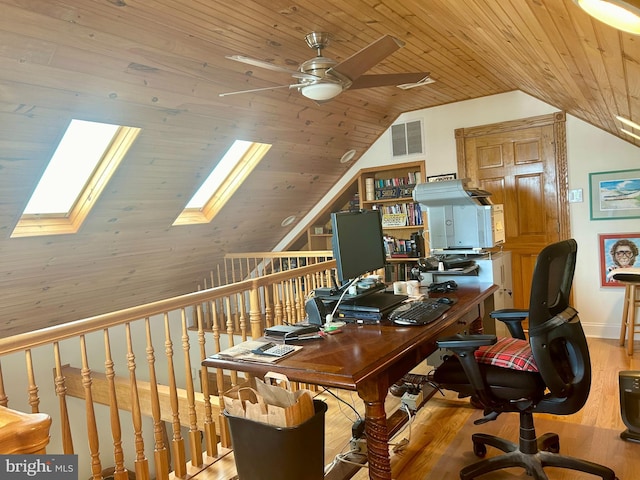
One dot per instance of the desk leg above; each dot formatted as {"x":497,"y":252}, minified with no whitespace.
{"x":476,"y":326}
{"x":374,"y":395}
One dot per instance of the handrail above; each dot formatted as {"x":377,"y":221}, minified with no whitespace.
{"x":239,"y":266}
{"x":299,"y":254}
{"x":45,"y":336}
{"x":185,"y":329}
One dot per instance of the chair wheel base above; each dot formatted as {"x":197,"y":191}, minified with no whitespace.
{"x":532,"y":463}
{"x":630,"y":436}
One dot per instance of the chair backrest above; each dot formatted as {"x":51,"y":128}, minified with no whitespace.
{"x":557,"y":340}
{"x":552,"y":279}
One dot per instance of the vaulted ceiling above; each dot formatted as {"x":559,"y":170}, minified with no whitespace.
{"x":161,"y":64}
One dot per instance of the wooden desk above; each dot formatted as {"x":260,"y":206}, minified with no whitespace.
{"x":369,"y":358}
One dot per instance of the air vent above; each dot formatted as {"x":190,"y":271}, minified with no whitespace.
{"x":406,"y":138}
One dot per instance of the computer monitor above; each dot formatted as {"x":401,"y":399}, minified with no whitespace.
{"x":358,"y":245}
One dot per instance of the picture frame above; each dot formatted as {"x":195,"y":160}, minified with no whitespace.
{"x":441,"y":178}
{"x":610,"y":261}
{"x":615,"y":195}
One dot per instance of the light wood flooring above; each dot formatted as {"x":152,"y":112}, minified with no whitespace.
{"x":439,"y":436}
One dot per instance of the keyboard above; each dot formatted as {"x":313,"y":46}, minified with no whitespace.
{"x":421,"y":312}
{"x":274,"y":349}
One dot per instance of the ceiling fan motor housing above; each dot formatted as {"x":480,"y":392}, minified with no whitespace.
{"x":317,"y":66}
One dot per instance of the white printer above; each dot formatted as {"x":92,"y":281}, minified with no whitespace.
{"x":460,"y":218}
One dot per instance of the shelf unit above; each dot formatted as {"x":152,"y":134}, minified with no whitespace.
{"x":389,"y":188}
{"x":396,"y":188}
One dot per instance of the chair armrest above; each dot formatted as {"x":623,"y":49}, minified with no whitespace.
{"x":465,"y":342}
{"x":464,"y":347}
{"x":509,"y":313}
{"x":512,"y":318}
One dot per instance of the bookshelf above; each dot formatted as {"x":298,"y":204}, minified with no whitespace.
{"x":389,"y":189}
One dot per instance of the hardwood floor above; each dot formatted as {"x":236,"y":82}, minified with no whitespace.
{"x":439,"y":436}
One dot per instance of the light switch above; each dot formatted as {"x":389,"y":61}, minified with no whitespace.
{"x":575,"y":196}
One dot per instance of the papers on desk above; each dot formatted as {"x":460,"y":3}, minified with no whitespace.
{"x":244,"y":352}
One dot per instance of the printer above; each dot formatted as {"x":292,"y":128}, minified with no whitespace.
{"x":460,"y":218}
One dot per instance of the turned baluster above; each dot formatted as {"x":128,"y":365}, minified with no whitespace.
{"x":288,"y":301}
{"x":255,"y":315}
{"x":120,"y":471}
{"x":141,"y":462}
{"x":268,"y":307}
{"x":177,"y":443}
{"x":300,"y":312}
{"x":211,"y":443}
{"x":161,"y":457}
{"x":61,"y":392}
{"x":230,"y":331}
{"x":34,"y":400}
{"x":242,"y":316}
{"x":92,"y":428}
{"x":277,"y":302}
{"x":195,"y":444}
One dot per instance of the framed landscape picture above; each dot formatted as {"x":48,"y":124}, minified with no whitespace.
{"x":617,"y":250}
{"x":615,"y":194}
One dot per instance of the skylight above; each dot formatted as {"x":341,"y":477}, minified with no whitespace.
{"x":234,"y":167}
{"x":78,"y":171}
{"x":70,"y":167}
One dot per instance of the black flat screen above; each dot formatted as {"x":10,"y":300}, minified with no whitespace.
{"x":358,"y":246}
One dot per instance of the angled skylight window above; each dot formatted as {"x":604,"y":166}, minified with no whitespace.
{"x":78,"y":171}
{"x":234,"y":167}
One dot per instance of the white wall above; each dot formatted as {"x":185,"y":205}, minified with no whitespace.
{"x":589,"y":150}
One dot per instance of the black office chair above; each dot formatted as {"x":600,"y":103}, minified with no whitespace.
{"x":550,"y":373}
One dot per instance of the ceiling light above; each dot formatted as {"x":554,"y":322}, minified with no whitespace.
{"x":628,"y":122}
{"x":348,"y":156}
{"x":622,"y":15}
{"x":637,"y":137}
{"x":321,"y":91}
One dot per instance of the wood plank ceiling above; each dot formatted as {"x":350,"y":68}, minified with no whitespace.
{"x":160,"y":65}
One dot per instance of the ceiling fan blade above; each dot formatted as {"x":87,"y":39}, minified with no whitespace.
{"x":383,"y":80}
{"x":226,"y":94}
{"x":368,"y":57}
{"x":270,"y":66}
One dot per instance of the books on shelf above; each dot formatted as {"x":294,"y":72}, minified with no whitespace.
{"x":412,"y":178}
{"x":393,"y":215}
{"x":402,"y":248}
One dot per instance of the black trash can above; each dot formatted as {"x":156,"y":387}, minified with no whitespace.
{"x":266,"y":452}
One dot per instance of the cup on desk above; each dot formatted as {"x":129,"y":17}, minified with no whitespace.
{"x":400,"y":288}
{"x":413,"y":288}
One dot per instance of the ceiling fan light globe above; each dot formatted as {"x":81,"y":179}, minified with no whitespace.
{"x":622,"y":15}
{"x":321,"y":91}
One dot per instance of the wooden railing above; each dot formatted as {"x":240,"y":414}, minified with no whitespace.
{"x":23,"y":432}
{"x":122,"y":388}
{"x":240,"y":266}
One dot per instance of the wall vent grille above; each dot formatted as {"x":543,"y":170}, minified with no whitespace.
{"x":406,"y":138}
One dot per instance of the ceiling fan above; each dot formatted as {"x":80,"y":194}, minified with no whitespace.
{"x":321,"y":78}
